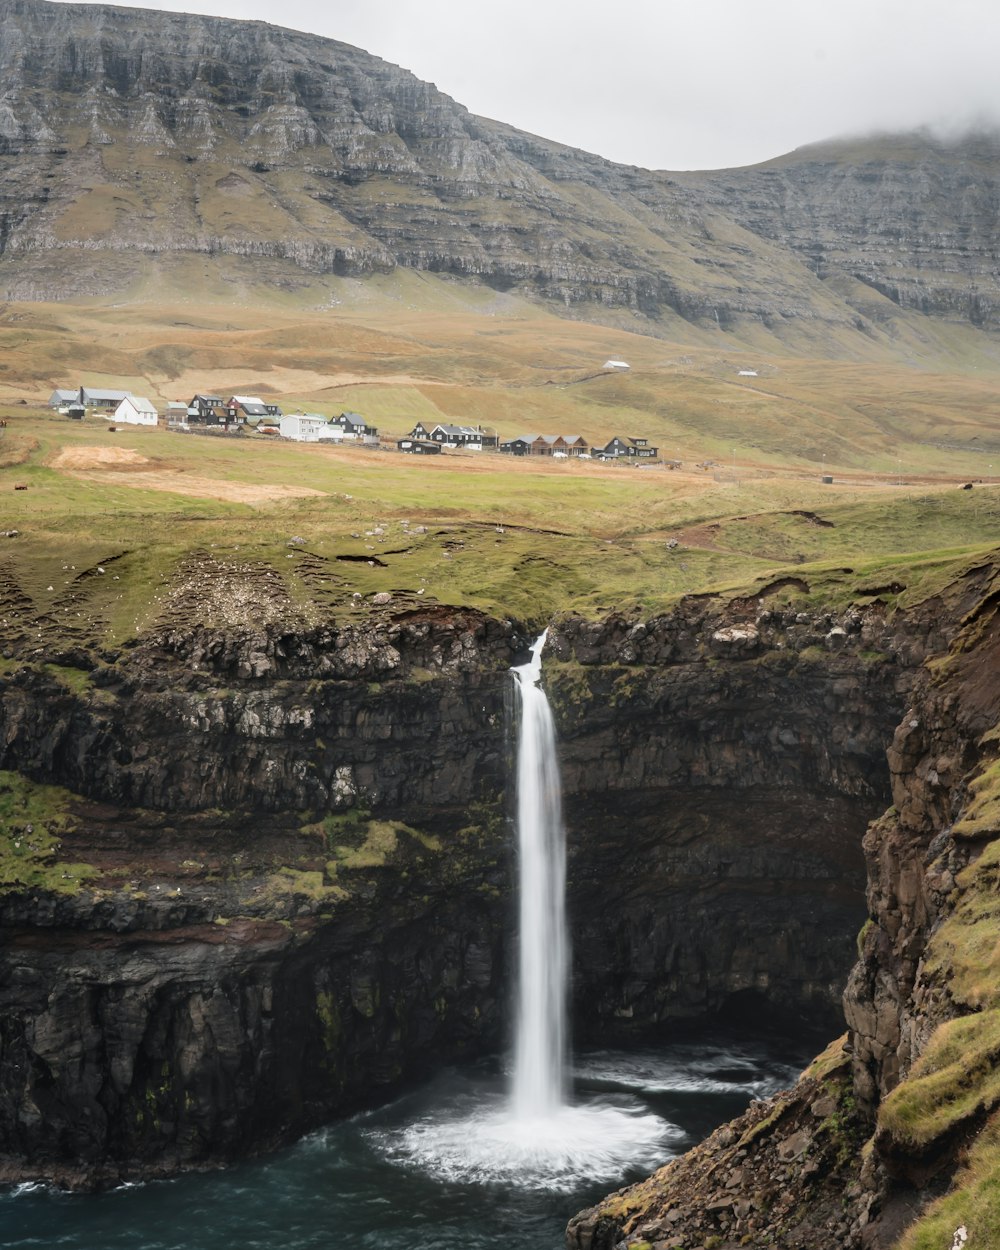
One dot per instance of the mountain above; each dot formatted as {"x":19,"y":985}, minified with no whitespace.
{"x":139,"y":147}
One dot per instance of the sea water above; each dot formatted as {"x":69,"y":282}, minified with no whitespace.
{"x":368,"y":1183}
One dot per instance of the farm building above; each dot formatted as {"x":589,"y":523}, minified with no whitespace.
{"x":419,"y":446}
{"x":619,"y":366}
{"x":135,"y":410}
{"x":626,"y":448}
{"x":303,"y":427}
{"x":106,"y":400}
{"x":62,"y":399}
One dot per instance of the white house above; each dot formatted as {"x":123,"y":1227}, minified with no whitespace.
{"x":302,"y":427}
{"x":134,"y":410}
{"x":619,"y":365}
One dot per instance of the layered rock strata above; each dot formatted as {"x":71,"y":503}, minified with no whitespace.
{"x":133,"y":142}
{"x":889,"y":1139}
{"x":278,"y":880}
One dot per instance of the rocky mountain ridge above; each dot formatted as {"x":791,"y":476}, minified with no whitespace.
{"x":133,"y":143}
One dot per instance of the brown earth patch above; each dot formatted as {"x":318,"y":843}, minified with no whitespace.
{"x":121,"y":466}
{"x":97,"y":458}
{"x":178,"y":483}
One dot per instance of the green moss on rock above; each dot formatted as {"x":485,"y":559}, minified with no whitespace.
{"x":31,"y":818}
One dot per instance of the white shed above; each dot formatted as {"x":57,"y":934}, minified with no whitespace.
{"x":302,"y":427}
{"x":620,"y":365}
{"x":134,"y":410}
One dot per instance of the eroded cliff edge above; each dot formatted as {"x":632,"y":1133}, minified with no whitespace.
{"x":890,"y":1138}
{"x":253,"y":877}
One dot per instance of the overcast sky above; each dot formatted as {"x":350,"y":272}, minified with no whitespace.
{"x":678,"y":84}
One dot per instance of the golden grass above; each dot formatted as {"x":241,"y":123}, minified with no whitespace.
{"x":417,"y":346}
{"x":529,"y":538}
{"x":956,"y":1078}
{"x":525,"y":537}
{"x":973,"y":1203}
{"x":981,"y":813}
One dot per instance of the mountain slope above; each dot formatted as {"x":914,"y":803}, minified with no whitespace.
{"x":913,"y":218}
{"x":141,"y":145}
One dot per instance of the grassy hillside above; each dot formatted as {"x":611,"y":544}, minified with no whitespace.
{"x":109,"y":524}
{"x":755,"y":434}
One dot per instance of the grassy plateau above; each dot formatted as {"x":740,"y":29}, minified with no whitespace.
{"x":111,"y":523}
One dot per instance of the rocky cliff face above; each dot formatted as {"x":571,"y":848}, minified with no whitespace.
{"x":278,"y":879}
{"x":688,"y":908}
{"x":889,"y":1138}
{"x":911,"y":218}
{"x":133,"y":140}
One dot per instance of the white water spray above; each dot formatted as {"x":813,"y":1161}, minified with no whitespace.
{"x":540,"y":1039}
{"x":536,"y":1138}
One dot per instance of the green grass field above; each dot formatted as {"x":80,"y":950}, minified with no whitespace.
{"x":514,"y":537}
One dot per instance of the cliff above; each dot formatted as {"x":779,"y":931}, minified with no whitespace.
{"x":255,"y":875}
{"x":910,"y":218}
{"x":180,"y":150}
{"x":889,"y":1139}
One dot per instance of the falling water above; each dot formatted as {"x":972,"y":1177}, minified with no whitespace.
{"x":536,"y":1138}
{"x":539,"y":1043}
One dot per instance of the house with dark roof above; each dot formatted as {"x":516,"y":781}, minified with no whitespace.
{"x":350,"y":425}
{"x":210,"y":410}
{"x":248,"y":406}
{"x":626,"y":448}
{"x":523,"y":446}
{"x":471,"y":437}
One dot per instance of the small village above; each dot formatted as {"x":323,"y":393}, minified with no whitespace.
{"x":250,"y":415}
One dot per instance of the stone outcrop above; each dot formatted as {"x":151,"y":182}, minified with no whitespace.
{"x":898,"y":1128}
{"x":907,"y":220}
{"x":278,"y":878}
{"x":785,"y":1164}
{"x":131,"y":141}
{"x":690,"y":909}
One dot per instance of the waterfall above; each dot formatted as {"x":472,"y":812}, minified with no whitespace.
{"x":540,"y":1041}
{"x":532,"y":1136}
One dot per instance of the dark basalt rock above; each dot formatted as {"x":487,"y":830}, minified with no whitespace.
{"x":304,"y":867}
{"x":834,"y":1162}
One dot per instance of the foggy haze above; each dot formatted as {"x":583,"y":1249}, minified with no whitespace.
{"x":674,"y":85}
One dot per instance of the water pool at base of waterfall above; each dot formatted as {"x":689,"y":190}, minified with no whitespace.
{"x":440,"y":1168}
